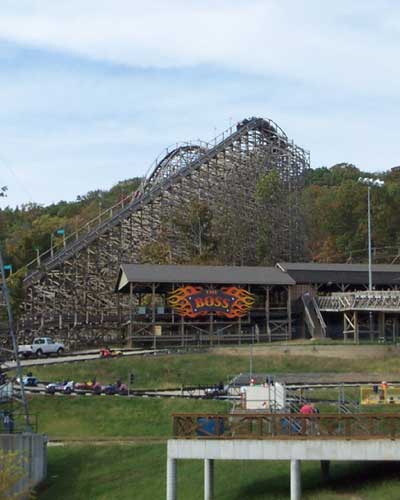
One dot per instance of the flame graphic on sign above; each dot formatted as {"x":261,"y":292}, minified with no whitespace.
{"x":243,"y":303}
{"x":178,"y":300}
{"x":182,"y":300}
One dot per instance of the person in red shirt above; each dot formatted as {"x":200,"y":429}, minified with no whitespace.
{"x":307,"y":408}
{"x":309,"y":426}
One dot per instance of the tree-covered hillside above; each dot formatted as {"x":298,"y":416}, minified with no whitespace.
{"x":334,"y":205}
{"x":335,"y":209}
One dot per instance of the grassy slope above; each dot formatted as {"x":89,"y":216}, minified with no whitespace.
{"x":138,"y":471}
{"x":172,"y":370}
{"x":126,"y":472}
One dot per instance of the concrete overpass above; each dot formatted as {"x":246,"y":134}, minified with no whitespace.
{"x":293,"y":437}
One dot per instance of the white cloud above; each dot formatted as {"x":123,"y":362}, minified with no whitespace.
{"x":326,"y":72}
{"x":341,"y":44}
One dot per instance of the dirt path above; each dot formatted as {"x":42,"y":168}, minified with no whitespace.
{"x":131,"y":441}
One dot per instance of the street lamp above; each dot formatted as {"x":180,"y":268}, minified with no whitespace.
{"x":369,"y":182}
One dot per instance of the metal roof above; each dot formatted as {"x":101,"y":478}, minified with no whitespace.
{"x":356,"y":274}
{"x":226,"y":275}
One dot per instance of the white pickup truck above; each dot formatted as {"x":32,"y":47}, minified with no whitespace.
{"x":42,"y":346}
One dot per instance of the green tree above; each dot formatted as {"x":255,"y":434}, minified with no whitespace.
{"x":193,"y":224}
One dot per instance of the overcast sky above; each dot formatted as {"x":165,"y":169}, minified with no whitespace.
{"x":91,"y":91}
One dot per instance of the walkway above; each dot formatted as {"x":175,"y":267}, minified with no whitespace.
{"x":294,"y":437}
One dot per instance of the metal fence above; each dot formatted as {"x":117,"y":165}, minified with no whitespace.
{"x":378,"y":395}
{"x":285,"y":426}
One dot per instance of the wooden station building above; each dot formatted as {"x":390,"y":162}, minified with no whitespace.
{"x":215,"y":304}
{"x":206,"y":303}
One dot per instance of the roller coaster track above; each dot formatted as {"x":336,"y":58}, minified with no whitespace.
{"x":163,"y":174}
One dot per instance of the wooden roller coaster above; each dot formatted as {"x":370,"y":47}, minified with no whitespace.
{"x":70,"y":293}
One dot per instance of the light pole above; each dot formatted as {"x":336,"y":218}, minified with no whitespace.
{"x":369,"y":242}
{"x":378,"y":183}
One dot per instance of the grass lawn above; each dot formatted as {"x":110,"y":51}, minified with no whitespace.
{"x":103,"y":416}
{"x":138,"y":471}
{"x":119,"y":472}
{"x":208,"y":368}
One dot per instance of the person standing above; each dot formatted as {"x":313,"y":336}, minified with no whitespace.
{"x":8,"y":423}
{"x":308,"y":425}
{"x":307,"y":409}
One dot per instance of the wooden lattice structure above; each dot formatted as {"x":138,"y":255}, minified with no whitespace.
{"x":366,"y":313}
{"x":70,"y":293}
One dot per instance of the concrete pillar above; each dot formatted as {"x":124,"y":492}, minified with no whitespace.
{"x":325,"y":465}
{"x":171,"y":479}
{"x":208,"y":479}
{"x":295,"y":480}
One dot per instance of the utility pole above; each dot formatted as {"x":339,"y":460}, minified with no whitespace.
{"x":6,"y":295}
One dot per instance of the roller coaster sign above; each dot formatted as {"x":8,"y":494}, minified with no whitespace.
{"x":194,"y":301}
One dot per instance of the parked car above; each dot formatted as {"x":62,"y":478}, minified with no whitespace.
{"x":30,"y":381}
{"x":66,"y":387}
{"x":42,"y":346}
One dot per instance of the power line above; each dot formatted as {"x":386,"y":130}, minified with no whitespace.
{"x":21,"y":184}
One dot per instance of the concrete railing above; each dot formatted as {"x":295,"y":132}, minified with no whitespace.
{"x":32,"y":448}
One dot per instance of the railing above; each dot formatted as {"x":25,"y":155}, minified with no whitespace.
{"x":379,"y":300}
{"x":83,"y":230}
{"x":310,"y":323}
{"x":285,"y":426}
{"x":311,"y":308}
{"x":319,"y":316}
